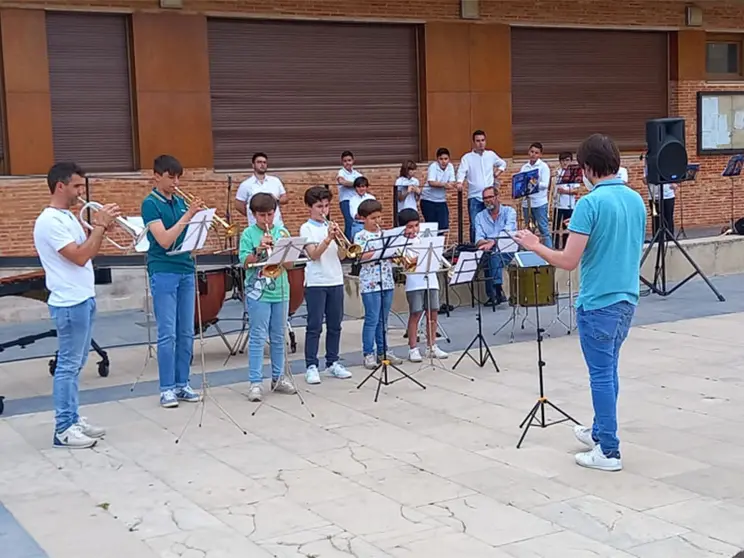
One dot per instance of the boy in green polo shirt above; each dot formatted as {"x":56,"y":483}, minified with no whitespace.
{"x":266,"y":299}
{"x":172,"y":281}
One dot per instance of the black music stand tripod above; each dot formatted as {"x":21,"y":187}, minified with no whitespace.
{"x":532,"y":260}
{"x":376,"y":251}
{"x":466,"y":271}
{"x":733,"y":170}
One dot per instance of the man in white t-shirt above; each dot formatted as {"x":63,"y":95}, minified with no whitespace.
{"x":345,"y":178}
{"x":260,"y":182}
{"x":66,"y":256}
{"x":535,"y":206}
{"x":324,"y":287}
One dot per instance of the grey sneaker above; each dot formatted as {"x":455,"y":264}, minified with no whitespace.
{"x":370,"y":362}
{"x":255,"y":392}
{"x":283,"y":385}
{"x":392,"y":358}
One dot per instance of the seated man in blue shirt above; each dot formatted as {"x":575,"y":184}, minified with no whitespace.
{"x":606,"y":234}
{"x":489,"y":225}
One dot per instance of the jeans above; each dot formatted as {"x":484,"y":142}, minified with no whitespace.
{"x":540,"y":216}
{"x":356,"y":226}
{"x":475,"y":206}
{"x":173,"y":301}
{"x":495,"y":270}
{"x":436,"y":212}
{"x":74,"y":326}
{"x":268,"y":320}
{"x":348,"y":218}
{"x":375,"y":324}
{"x":601,"y":333}
{"x":322,"y":302}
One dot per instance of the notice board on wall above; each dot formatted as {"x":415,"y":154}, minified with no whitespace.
{"x":720,"y":122}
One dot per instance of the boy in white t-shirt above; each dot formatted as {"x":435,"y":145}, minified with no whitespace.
{"x":361,"y":187}
{"x":418,"y":286}
{"x":324,"y":287}
{"x":345,"y":178}
{"x":408,"y":187}
{"x":565,"y":201}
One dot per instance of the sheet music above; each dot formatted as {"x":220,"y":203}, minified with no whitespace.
{"x":197,"y":232}
{"x":292,"y":247}
{"x":426,"y":264}
{"x":139,"y":223}
{"x":428,"y":229}
{"x":466,"y":267}
{"x":506,"y":244}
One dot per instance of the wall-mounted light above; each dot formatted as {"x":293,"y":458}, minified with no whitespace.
{"x":693,"y":16}
{"x":469,"y":9}
{"x":172,"y":4}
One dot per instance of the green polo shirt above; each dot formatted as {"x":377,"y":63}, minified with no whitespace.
{"x":256,"y":288}
{"x":156,"y":207}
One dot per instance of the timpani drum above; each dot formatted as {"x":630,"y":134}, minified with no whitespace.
{"x":296,"y":277}
{"x":532,"y":286}
{"x":212,"y":285}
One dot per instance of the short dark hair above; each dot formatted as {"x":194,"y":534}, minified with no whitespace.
{"x":495,"y":190}
{"x":361,"y":181}
{"x":167,"y":164}
{"x":408,"y":215}
{"x":315,"y":194}
{"x":62,"y":172}
{"x":563,"y":155}
{"x":368,"y":207}
{"x":262,"y":203}
{"x":479,"y":133}
{"x":258,"y":154}
{"x":536,"y":144}
{"x":600,"y":154}
{"x":405,"y":167}
{"x":442,"y":151}
{"x":347,"y":153}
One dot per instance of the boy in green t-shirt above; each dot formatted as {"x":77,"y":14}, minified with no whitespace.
{"x":266,"y":299}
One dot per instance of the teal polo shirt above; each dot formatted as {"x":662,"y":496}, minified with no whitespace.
{"x":613,"y":216}
{"x":156,"y":207}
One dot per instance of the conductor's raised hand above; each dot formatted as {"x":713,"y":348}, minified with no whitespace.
{"x":527,"y":239}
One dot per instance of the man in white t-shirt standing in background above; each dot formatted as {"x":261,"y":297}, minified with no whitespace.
{"x":66,"y":256}
{"x":480,"y":167}
{"x":535,"y":206}
{"x":260,"y":182}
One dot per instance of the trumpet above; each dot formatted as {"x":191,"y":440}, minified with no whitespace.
{"x":137,"y":233}
{"x":405,"y":260}
{"x":230,"y":230}
{"x":272,"y":271}
{"x":352,"y":250}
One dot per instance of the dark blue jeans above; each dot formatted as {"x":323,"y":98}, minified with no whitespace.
{"x":436,"y":212}
{"x":602,"y":333}
{"x":323,"y":302}
{"x":475,"y":206}
{"x":495,"y":270}
{"x":348,"y":218}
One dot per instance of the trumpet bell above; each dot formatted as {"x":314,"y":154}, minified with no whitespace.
{"x":272,"y":271}
{"x":354,"y":251}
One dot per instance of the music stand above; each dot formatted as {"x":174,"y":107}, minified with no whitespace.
{"x":466,"y":270}
{"x":690,"y":176}
{"x":385,"y":247}
{"x":429,"y":230}
{"x":151,"y":350}
{"x":507,"y":245}
{"x":733,"y":169}
{"x":533,"y":261}
{"x":193,"y":241}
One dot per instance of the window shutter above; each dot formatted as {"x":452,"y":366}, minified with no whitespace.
{"x":303,"y":92}
{"x":89,"y":78}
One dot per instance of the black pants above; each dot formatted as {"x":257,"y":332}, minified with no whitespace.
{"x":559,"y":238}
{"x":668,"y":215}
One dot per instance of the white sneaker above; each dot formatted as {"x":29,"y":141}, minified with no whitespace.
{"x":73,"y":438}
{"x":370,"y":362}
{"x":312,"y":376}
{"x":255,"y":392}
{"x":337,"y":370}
{"x":584,"y":435}
{"x":90,"y":430}
{"x":436,"y":352}
{"x":414,"y":355}
{"x":596,"y":459}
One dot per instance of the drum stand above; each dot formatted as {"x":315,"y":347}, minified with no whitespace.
{"x":515,"y":314}
{"x":571,"y":325}
{"x":148,"y":324}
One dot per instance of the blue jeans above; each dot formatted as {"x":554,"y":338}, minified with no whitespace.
{"x":601,"y":333}
{"x":173,"y":301}
{"x":74,"y":326}
{"x":267,"y":321}
{"x":376,"y":309}
{"x":348,"y":218}
{"x":540,"y":216}
{"x":475,"y":206}
{"x":328,"y":303}
{"x":495,"y":270}
{"x":356,"y":226}
{"x":436,"y":212}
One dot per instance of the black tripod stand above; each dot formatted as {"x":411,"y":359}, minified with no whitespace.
{"x":660,"y":238}
{"x":531,"y":419}
{"x":379,"y":249}
{"x":484,"y":351}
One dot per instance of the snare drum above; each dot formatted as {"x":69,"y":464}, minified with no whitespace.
{"x":522,"y":282}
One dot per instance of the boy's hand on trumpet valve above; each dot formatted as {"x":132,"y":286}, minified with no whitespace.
{"x":195,"y":207}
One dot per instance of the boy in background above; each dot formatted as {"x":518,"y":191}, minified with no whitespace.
{"x":439,"y":177}
{"x":565,"y":196}
{"x":345,"y":178}
{"x":361,"y":187}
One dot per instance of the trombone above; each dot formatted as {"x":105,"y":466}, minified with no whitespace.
{"x":137,"y":233}
{"x":230,"y":229}
{"x":352,"y":250}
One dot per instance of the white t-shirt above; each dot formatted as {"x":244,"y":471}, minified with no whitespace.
{"x":270,"y":185}
{"x":356,"y":201}
{"x":410,"y":200}
{"x":565,"y":201}
{"x":345,"y":193}
{"x":653,"y":189}
{"x":478,"y":170}
{"x":327,"y":271}
{"x":539,"y":198}
{"x":622,"y":174}
{"x":437,"y":174}
{"x":417,"y":282}
{"x":68,"y":283}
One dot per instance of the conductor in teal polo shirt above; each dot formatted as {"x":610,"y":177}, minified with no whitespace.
{"x":172,"y":282}
{"x":606,"y":234}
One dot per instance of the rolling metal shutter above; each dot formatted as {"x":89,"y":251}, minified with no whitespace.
{"x":89,"y":74}
{"x":570,"y":83}
{"x":305,"y":91}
